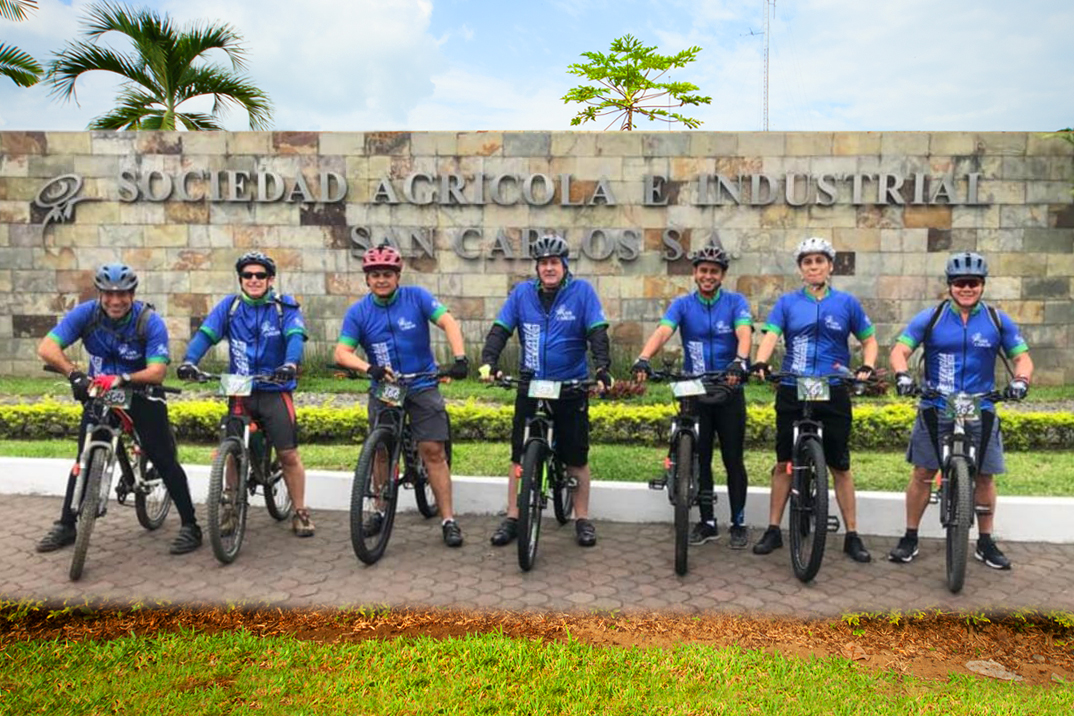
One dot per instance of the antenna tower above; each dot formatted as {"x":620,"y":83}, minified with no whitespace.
{"x":767,"y":3}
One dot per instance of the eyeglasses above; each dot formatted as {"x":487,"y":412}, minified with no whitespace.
{"x":967,"y":282}
{"x":259,"y":275}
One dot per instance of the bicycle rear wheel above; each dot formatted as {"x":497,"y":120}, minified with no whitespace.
{"x":563,"y":489}
{"x":373,"y":496}
{"x":419,"y":478}
{"x":530,"y":494}
{"x":152,"y":506}
{"x":809,"y":509}
{"x":94,"y":495}
{"x":684,"y":465}
{"x":959,"y":507}
{"x":227,"y":502}
{"x":277,"y":497}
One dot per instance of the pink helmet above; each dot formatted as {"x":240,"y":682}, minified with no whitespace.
{"x":381,"y":257}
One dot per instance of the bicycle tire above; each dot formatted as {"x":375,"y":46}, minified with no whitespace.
{"x":87,"y":513}
{"x":809,"y":509}
{"x":960,"y":491}
{"x":419,"y":478}
{"x":277,"y":497}
{"x":226,"y":533}
{"x":563,"y":492}
{"x":684,"y":465}
{"x":369,"y":499}
{"x":152,"y":507}
{"x":530,"y":491}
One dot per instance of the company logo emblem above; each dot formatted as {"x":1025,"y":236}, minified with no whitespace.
{"x":832,"y":323}
{"x":59,"y":196}
{"x":564,"y":314}
{"x":980,"y":341}
{"x":405,"y":324}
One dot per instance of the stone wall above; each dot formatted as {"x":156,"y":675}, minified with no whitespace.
{"x":173,"y":206}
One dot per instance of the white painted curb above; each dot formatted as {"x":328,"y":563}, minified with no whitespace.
{"x":1019,"y":519}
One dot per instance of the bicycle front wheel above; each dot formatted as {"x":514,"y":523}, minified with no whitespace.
{"x":373,"y":496}
{"x":809,"y":509}
{"x":277,"y":497}
{"x":563,"y":489}
{"x":959,"y":516}
{"x":530,"y":497}
{"x":227,"y":502}
{"x":684,"y":456}
{"x":94,"y":495}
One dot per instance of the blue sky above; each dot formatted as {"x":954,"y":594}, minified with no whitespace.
{"x":835,"y":65}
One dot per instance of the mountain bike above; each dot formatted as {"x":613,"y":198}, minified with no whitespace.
{"x":958,"y":477}
{"x":541,"y":467}
{"x":377,"y":476}
{"x":108,"y":431}
{"x":810,"y":522}
{"x":681,"y":465}
{"x":244,"y":461}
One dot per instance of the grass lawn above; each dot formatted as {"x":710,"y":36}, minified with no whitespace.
{"x":1042,"y":474}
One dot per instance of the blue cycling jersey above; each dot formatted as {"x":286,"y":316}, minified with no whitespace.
{"x":708,"y":328}
{"x":961,"y":356}
{"x":257,"y":332}
{"x":395,"y":333}
{"x":113,"y":346}
{"x":815,"y":332}
{"x":553,"y":341}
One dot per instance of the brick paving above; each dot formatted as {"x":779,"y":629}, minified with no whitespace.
{"x":630,"y":569}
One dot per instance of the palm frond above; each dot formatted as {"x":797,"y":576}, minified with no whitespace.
{"x":79,"y":58}
{"x":18,"y":66}
{"x":16,"y":10}
{"x":228,"y":90}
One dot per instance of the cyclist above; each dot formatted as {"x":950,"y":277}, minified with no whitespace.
{"x":960,"y":339}
{"x":815,"y":323}
{"x":716,"y":335}
{"x":391,"y":324}
{"x":556,"y":316}
{"x":127,"y":343}
{"x":266,"y":335}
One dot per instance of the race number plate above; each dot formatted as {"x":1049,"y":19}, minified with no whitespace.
{"x":233,"y":384}
{"x":687,"y":388}
{"x":118,"y":397}
{"x":390,"y":393}
{"x":814,"y":390}
{"x":961,"y":405}
{"x":546,"y":389}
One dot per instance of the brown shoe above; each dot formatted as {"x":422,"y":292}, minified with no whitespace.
{"x":301,"y":524}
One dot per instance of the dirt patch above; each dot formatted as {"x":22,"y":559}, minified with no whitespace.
{"x":1038,"y":648}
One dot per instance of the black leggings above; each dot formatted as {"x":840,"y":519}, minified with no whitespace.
{"x":151,"y":421}
{"x":728,"y":421}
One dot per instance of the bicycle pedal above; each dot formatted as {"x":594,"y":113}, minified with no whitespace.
{"x":934,"y":498}
{"x":658,"y":483}
{"x":833,"y":523}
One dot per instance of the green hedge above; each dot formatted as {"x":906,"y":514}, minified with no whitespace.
{"x":875,"y":427}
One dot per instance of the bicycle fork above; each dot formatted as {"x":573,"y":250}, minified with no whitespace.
{"x":82,"y":468}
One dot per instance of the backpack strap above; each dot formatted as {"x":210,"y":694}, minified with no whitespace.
{"x":936,"y":314}
{"x":141,"y":324}
{"x":994,"y":315}
{"x":236,"y":301}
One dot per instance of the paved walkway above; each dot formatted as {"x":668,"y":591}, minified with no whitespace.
{"x":630,"y":569}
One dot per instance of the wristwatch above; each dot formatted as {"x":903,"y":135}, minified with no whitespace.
{"x":125,"y":377}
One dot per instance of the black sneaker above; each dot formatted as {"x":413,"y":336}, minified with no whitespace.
{"x":373,"y":525}
{"x":59,"y":536}
{"x":770,"y":540}
{"x":740,"y":536}
{"x":905,"y":551}
{"x":704,"y":532}
{"x":853,"y":546}
{"x":452,"y":534}
{"x":585,"y":533}
{"x":505,"y":533}
{"x":989,"y":553}
{"x":189,"y":539}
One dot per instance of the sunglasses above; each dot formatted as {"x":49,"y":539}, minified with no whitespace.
{"x":967,"y":282}
{"x":259,"y":275}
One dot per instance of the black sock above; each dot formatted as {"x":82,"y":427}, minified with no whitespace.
{"x":911,"y":534}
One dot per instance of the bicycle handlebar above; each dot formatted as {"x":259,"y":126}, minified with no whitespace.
{"x":510,"y":381}
{"x":138,"y":387}
{"x":920,"y":391}
{"x":353,"y":374}
{"x":204,"y":377}
{"x":711,"y":376}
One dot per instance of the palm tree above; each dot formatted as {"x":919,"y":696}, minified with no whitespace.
{"x":164,"y":69}
{"x":15,"y":64}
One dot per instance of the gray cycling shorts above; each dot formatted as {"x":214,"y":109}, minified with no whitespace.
{"x":922,"y":451}
{"x":427,"y":411}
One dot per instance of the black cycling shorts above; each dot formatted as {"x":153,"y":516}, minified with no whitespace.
{"x":571,"y":420}
{"x":274,"y":412}
{"x":427,"y":411}
{"x":836,"y":415}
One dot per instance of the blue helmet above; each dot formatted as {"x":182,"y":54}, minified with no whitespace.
{"x":255,"y":257}
{"x":968,"y":263}
{"x":115,"y":277}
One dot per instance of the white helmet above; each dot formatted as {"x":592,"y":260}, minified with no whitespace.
{"x":814,"y":245}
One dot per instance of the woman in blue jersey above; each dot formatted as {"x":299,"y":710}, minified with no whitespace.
{"x":961,"y":339}
{"x":391,"y":324}
{"x":816,"y":323}
{"x":716,"y":330}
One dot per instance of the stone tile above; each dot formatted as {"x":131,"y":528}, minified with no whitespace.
{"x":761,"y":144}
{"x":807,"y":144}
{"x":856,"y":143}
{"x":909,"y":143}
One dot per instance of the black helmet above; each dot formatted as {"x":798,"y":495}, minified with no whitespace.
{"x":969,"y":263}
{"x":712,"y":254}
{"x":548,"y":246}
{"x":115,"y":277}
{"x":255,"y":257}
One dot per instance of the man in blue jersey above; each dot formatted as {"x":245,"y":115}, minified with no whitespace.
{"x":815,"y":323}
{"x":556,"y":315}
{"x":266,"y":335}
{"x":127,"y":343}
{"x":960,"y":339}
{"x":716,"y":333}
{"x":391,"y":324}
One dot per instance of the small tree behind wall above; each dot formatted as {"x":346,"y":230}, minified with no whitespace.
{"x":627,"y":85}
